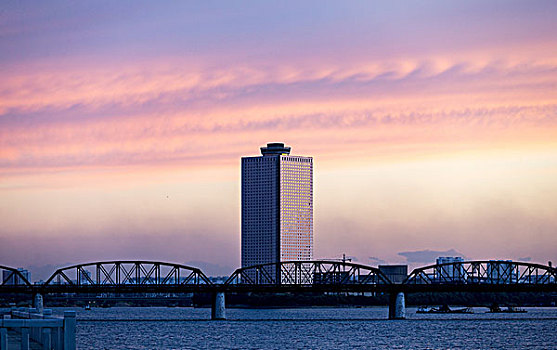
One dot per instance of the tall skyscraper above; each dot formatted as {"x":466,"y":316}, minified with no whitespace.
{"x":277,"y":206}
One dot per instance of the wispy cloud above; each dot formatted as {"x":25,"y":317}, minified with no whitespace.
{"x":179,"y":87}
{"x":111,"y":118}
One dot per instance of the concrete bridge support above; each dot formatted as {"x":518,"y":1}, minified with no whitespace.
{"x":218,"y":309}
{"x":397,"y":306}
{"x":38,"y":303}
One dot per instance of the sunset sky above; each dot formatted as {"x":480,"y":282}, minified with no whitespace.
{"x":433,"y":127}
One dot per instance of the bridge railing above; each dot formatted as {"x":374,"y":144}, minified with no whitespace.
{"x":484,"y":272}
{"x":130,"y":273}
{"x":308,"y":273}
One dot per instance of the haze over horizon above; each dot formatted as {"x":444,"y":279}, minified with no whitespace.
{"x":433,"y":127}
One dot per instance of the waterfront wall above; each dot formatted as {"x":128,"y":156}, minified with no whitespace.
{"x":30,"y":325}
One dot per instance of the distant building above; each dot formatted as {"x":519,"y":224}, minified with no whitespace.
{"x":218,"y":279}
{"x":277,"y":207}
{"x":502,"y":271}
{"x":395,"y":273}
{"x":85,"y":277}
{"x":11,"y":278}
{"x":450,"y":273}
{"x":448,"y":259}
{"x":333,"y":277}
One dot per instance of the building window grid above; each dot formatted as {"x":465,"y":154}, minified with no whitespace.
{"x":296,"y":196}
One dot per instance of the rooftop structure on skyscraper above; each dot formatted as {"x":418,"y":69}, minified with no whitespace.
{"x":276,"y":148}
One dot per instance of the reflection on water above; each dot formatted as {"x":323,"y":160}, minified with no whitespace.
{"x":315,"y":328}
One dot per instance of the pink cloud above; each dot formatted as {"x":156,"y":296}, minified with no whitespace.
{"x":148,"y":115}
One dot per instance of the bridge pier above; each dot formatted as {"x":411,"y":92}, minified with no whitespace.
{"x":397,"y":306}
{"x":218,"y":308}
{"x":38,"y":303}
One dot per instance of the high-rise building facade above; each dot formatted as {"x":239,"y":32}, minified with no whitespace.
{"x":277,"y":206}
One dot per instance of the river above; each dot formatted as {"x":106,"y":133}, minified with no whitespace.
{"x":311,"y":328}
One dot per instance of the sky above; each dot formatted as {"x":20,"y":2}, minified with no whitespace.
{"x":433,"y":127}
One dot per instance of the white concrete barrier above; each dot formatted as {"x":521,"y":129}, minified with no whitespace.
{"x":42,"y":328}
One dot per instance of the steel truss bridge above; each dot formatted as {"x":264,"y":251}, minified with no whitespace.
{"x":138,"y":277}
{"x":290,"y":276}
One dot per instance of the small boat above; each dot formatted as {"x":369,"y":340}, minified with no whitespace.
{"x":495,"y":309}
{"x":87,"y":307}
{"x":445,"y":309}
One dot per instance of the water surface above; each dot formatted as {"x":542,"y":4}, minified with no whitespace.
{"x":311,"y":328}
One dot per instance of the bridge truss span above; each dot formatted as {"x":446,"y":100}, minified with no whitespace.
{"x":10,"y":276}
{"x":484,"y":273}
{"x":311,"y":273}
{"x":128,"y":273}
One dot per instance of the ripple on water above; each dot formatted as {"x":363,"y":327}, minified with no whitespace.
{"x":312,"y":328}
